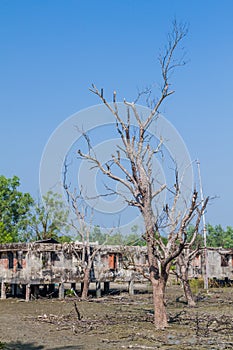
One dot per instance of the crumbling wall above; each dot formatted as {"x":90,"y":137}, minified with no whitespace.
{"x":39,"y":263}
{"x":53,"y":263}
{"x":219,"y":264}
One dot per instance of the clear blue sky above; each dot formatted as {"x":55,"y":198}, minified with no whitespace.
{"x":51,"y":52}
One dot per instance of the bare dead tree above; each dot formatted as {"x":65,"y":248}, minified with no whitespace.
{"x":82,"y":229}
{"x":138,"y":178}
{"x":183,"y":262}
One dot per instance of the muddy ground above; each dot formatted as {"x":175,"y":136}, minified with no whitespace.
{"x":118,"y":321}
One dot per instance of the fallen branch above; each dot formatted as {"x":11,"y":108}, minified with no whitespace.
{"x":77,"y":311}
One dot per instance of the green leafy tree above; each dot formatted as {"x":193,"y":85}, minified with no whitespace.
{"x":49,"y":219}
{"x":228,"y":242}
{"x":65,"y":238}
{"x":14,"y":210}
{"x":97,"y":236}
{"x":217,"y":237}
{"x":115,"y":239}
{"x":134,"y":239}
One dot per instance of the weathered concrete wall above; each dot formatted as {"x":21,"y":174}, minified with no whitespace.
{"x":219,"y":264}
{"x":38,"y":263}
{"x":46,"y":263}
{"x":35,"y":264}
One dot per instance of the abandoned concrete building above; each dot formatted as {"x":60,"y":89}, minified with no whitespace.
{"x":219,"y":264}
{"x":29,"y":269}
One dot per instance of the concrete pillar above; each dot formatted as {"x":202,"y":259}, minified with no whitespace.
{"x":14,"y":290}
{"x":98,"y":289}
{"x":3,"y":290}
{"x":106,"y":287}
{"x":61,"y":291}
{"x":131,"y":287}
{"x":28,"y":292}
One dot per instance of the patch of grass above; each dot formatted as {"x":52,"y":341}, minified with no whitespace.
{"x":196,"y":284}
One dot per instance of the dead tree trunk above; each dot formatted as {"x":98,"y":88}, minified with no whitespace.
{"x":182,"y":272}
{"x":158,"y":283}
{"x":158,"y":276}
{"x":188,"y":293}
{"x":160,"y":314}
{"x":86,"y":283}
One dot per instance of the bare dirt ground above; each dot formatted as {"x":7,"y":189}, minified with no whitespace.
{"x":118,"y":322}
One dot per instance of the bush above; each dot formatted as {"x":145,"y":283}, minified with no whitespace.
{"x":69,"y":293}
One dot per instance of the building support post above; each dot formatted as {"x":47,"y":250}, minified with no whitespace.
{"x":61,"y":291}
{"x":131,"y":287}
{"x":28,"y":292}
{"x":13,"y":290}
{"x":3,"y":290}
{"x":98,"y":289}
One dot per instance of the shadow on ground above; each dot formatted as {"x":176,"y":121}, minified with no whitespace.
{"x":32,"y":346}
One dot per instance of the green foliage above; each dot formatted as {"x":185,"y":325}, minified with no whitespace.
{"x":69,"y":293}
{"x":116,"y":238}
{"x":217,"y":237}
{"x":134,"y":239}
{"x":49,"y":219}
{"x":64,"y":239}
{"x":97,"y":236}
{"x":14,"y":210}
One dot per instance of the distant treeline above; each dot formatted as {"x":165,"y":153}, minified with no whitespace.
{"x":216,"y":236}
{"x":23,"y":219}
